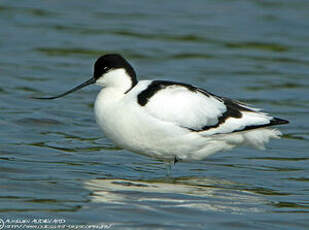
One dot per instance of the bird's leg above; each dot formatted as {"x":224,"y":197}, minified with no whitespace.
{"x":175,"y":160}
{"x":169,"y":168}
{"x":170,"y":164}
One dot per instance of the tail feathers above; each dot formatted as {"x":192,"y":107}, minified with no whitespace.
{"x":256,"y":138}
{"x":259,"y":137}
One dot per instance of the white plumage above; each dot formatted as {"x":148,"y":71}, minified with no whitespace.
{"x":163,"y":127}
{"x":169,"y":120}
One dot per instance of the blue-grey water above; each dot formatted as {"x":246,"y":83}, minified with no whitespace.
{"x":55,"y":163}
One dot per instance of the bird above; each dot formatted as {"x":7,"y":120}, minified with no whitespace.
{"x":168,"y":120}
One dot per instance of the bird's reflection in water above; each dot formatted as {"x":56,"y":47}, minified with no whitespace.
{"x":194,"y":192}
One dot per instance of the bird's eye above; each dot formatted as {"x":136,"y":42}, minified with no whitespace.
{"x":105,"y":68}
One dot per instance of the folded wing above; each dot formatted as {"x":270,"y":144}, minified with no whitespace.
{"x":200,"y":111}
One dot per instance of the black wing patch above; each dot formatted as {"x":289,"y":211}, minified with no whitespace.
{"x":155,"y":86}
{"x":274,"y":121}
{"x":233,"y":110}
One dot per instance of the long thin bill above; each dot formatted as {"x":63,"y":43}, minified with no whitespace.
{"x":89,"y":82}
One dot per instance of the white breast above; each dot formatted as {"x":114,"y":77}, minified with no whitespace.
{"x":127,"y":124}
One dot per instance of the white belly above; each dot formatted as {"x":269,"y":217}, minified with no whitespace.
{"x":124,"y":122}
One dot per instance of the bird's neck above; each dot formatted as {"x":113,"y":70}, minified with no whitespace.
{"x":117,"y":80}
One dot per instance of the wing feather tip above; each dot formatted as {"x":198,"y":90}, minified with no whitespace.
{"x":278,"y":121}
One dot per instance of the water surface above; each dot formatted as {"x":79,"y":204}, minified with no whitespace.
{"x":56,"y":163}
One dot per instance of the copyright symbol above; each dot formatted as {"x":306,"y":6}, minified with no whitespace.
{"x":1,"y":224}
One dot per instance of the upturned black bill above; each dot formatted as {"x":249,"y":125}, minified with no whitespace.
{"x":89,"y":82}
